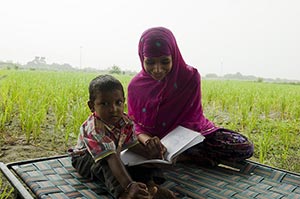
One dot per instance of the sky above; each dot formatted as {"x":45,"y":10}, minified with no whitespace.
{"x":253,"y":37}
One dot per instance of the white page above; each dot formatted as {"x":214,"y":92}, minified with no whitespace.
{"x":180,"y":138}
{"x":132,"y":158}
{"x":176,"y":141}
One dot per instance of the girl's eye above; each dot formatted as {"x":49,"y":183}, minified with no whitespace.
{"x":165,"y":62}
{"x":149,"y":62}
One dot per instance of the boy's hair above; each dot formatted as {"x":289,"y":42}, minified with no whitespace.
{"x":104,"y":83}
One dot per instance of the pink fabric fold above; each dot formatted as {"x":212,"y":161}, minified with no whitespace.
{"x":157,"y":107}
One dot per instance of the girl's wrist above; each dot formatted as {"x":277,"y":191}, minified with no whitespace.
{"x":147,"y":141}
{"x":144,"y":138}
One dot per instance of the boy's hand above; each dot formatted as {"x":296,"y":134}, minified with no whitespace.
{"x":138,"y":190}
{"x":155,"y":148}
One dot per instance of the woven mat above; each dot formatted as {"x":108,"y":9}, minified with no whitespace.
{"x":56,"y":178}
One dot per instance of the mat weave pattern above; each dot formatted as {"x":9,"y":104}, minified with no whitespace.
{"x":56,"y":178}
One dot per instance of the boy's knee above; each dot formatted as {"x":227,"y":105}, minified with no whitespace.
{"x":83,"y":164}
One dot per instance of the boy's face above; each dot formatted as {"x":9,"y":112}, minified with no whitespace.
{"x":109,"y":106}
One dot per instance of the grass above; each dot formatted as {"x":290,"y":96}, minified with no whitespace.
{"x":267,"y":113}
{"x":6,"y":191}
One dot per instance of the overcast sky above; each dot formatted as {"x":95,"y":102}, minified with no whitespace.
{"x":253,"y":37}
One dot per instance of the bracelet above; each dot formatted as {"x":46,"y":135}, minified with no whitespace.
{"x":147,"y":141}
{"x":129,"y":185}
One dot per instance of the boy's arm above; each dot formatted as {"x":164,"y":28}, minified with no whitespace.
{"x":134,"y":189}
{"x":118,"y":170}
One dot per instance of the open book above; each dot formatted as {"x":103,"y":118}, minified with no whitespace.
{"x":177,"y":141}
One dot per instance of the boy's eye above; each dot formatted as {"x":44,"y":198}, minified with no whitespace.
{"x":104,"y":103}
{"x":119,"y":102}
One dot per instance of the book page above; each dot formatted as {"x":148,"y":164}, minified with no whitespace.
{"x":176,"y":142}
{"x":179,"y":140}
{"x":130,"y":158}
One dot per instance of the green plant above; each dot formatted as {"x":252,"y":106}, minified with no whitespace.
{"x":5,"y":191}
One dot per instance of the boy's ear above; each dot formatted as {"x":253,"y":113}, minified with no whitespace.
{"x":91,"y":106}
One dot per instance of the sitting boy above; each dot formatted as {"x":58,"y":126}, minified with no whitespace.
{"x":105,"y":133}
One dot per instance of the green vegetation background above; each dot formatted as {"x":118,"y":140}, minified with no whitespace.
{"x":44,"y":105}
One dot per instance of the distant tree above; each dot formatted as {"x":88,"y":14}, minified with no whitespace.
{"x":237,"y":75}
{"x":38,"y":61}
{"x":9,"y":66}
{"x":260,"y":79}
{"x":43,"y":60}
{"x":16,"y":67}
{"x":115,"y":70}
{"x":211,"y":75}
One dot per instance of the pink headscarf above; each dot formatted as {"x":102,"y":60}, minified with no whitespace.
{"x":157,"y":107}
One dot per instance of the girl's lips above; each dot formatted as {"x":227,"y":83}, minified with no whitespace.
{"x":157,"y":77}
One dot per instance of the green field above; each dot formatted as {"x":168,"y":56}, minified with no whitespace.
{"x":268,"y":113}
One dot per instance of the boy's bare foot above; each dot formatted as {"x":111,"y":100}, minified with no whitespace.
{"x":124,"y":196}
{"x":157,"y":192}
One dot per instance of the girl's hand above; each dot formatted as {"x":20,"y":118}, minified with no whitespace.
{"x":155,"y":148}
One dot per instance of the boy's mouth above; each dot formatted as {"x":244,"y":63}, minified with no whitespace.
{"x":114,"y":119}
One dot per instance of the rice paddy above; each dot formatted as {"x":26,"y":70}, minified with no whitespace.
{"x":267,"y":113}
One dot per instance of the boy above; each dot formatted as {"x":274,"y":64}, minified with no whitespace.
{"x":105,"y":133}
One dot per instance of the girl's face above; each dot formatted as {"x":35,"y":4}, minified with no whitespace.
{"x":109,"y":106}
{"x":158,"y":67}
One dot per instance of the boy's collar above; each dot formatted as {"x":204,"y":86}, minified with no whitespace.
{"x":118,"y":125}
{"x":97,"y":116}
{"x":109,"y":126}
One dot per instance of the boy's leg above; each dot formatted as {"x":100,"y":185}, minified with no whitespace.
{"x":86,"y":167}
{"x":152,"y":176}
{"x":82,"y":164}
{"x":146,"y":174}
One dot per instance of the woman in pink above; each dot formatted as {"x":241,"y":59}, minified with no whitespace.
{"x":166,"y":93}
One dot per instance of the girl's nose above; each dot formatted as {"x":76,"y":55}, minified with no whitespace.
{"x":157,"y":68}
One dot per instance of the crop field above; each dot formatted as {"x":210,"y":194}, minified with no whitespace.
{"x":38,"y":103}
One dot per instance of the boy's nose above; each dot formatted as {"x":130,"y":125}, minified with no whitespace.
{"x":113,"y":108}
